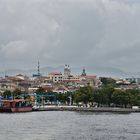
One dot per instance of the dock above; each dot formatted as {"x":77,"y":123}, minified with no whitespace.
{"x":90,"y":109}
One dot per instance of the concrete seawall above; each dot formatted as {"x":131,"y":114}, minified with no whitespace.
{"x":99,"y":109}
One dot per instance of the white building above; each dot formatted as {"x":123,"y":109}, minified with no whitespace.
{"x":56,"y":76}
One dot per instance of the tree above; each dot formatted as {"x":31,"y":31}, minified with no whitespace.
{"x":108,"y":90}
{"x":40,"y":90}
{"x":7,"y":94}
{"x":100,"y":97}
{"x":108,"y":81}
{"x":16,"y":93}
{"x":134,"y":97}
{"x":28,"y":97}
{"x":84,"y":95}
{"x":121,"y":98}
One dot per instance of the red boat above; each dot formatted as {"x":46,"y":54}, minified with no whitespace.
{"x":17,"y":105}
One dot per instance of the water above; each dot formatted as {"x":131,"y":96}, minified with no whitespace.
{"x":53,"y":125}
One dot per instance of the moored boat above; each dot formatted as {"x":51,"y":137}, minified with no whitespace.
{"x":17,"y":105}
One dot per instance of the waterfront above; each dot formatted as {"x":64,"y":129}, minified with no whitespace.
{"x":66,"y":125}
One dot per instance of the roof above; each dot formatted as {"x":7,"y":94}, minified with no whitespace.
{"x":55,"y":73}
{"x":13,"y":78}
{"x":89,"y":76}
{"x":9,"y":101}
{"x":61,"y":88}
{"x":71,"y":80}
{"x":19,"y":75}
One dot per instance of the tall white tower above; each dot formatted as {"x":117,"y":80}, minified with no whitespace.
{"x":67,"y":71}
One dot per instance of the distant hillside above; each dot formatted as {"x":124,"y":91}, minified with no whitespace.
{"x":90,"y":70}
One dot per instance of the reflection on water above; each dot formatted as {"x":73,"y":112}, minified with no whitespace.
{"x":69,"y":126}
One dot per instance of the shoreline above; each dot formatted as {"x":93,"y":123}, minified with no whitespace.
{"x":98,"y":109}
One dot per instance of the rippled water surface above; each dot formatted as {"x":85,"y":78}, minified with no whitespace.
{"x":53,"y":125}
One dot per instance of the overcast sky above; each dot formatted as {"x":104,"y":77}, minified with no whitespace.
{"x":77,"y":32}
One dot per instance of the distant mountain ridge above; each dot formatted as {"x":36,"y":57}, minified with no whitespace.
{"x":90,"y":70}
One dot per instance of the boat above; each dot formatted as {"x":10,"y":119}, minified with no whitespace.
{"x":17,"y":105}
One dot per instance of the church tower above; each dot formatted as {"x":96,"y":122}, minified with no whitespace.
{"x":84,"y":72}
{"x":67,"y":71}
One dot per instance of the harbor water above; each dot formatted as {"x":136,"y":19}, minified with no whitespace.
{"x":67,"y":125}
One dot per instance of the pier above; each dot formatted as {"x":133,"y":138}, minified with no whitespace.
{"x":98,"y":109}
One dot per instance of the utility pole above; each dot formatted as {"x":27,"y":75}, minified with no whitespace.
{"x":70,"y":100}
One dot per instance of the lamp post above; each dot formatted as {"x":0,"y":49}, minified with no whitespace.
{"x":35,"y":103}
{"x":70,"y":100}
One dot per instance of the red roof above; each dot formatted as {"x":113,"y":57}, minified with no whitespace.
{"x":9,"y":101}
{"x":89,"y":76}
{"x":55,"y":73}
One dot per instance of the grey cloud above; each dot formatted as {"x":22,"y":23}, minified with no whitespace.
{"x":82,"y":32}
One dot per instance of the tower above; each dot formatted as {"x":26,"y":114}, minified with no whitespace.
{"x":38,"y":71}
{"x":84,"y":72}
{"x":67,"y":71}
{"x":38,"y":68}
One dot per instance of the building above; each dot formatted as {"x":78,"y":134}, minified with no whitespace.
{"x":133,"y":80}
{"x":90,"y":80}
{"x":61,"y":89}
{"x":56,"y":77}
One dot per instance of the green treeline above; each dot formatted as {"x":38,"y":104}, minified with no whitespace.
{"x":108,"y":96}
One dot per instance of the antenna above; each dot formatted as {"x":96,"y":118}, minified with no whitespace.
{"x":38,"y":68}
